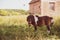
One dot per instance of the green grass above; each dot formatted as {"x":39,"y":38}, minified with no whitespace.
{"x":16,"y":28}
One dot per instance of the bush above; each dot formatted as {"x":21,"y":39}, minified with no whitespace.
{"x":10,"y":12}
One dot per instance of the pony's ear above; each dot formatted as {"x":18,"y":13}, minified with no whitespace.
{"x":37,"y":16}
{"x":51,"y":17}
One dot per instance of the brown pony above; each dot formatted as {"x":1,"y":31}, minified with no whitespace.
{"x":44,"y":20}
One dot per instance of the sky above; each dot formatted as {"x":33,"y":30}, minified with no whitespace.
{"x":46,"y":0}
{"x":14,"y":4}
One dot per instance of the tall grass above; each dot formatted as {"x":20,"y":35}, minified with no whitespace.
{"x":12,"y":20}
{"x":16,"y":28}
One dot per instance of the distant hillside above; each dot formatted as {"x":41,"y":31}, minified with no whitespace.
{"x":8,"y":12}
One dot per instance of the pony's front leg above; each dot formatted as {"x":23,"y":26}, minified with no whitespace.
{"x":29,"y":24}
{"x":48,"y":29}
{"x":35,"y":27}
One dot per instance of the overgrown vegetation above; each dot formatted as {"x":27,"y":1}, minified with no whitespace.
{"x":16,"y":28}
{"x":13,"y":26}
{"x":7,"y":12}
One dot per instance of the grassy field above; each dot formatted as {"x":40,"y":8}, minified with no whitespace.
{"x":16,"y":28}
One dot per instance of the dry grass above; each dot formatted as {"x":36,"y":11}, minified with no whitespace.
{"x":13,"y":20}
{"x":16,"y":28}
